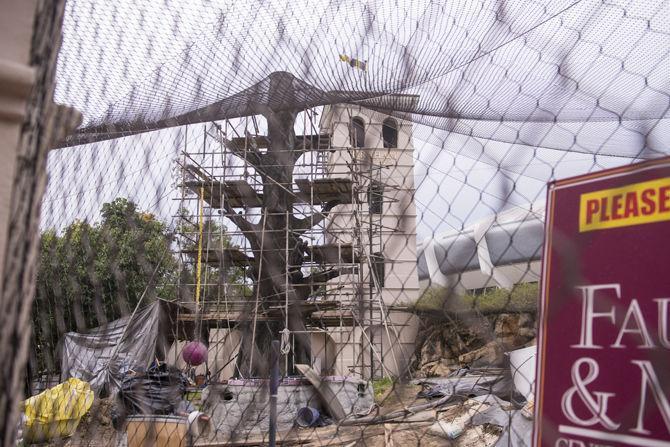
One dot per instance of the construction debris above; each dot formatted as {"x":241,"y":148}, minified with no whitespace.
{"x":56,"y":412}
{"x":328,"y":398}
{"x":464,"y":384}
{"x":157,"y":391}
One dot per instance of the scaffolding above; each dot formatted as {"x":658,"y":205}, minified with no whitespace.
{"x":330,"y":240}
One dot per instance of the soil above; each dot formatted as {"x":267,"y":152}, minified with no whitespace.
{"x":95,"y":428}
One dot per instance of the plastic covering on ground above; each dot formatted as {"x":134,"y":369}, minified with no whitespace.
{"x":465,"y":385}
{"x":103,"y":356}
{"x":56,"y":412}
{"x":159,"y":390}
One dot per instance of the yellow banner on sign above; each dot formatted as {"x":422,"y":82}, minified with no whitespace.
{"x":635,"y":204}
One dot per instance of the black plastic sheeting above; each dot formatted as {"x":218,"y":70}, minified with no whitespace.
{"x":157,"y":391}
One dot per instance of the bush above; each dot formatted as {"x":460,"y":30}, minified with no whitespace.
{"x":521,"y":298}
{"x":381,"y":387}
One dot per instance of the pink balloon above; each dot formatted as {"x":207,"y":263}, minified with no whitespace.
{"x":194,"y":353}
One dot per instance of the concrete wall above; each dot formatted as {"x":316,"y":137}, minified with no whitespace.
{"x":223,"y":346}
{"x":324,"y":353}
{"x":395,"y":228}
{"x":16,"y":80}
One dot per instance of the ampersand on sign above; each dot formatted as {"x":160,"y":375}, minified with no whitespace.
{"x":596,"y":406}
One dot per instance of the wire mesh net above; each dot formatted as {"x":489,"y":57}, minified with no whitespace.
{"x":319,"y":223}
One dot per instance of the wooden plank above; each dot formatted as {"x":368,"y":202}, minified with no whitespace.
{"x":328,"y":397}
{"x":237,"y":193}
{"x":240,"y":194}
{"x":343,"y":436}
{"x":324,"y":190}
{"x":332,"y":318}
{"x":213,"y":319}
{"x":212,"y":191}
{"x":251,"y":442}
{"x":314,"y":141}
{"x":157,"y":431}
{"x":217,"y":257}
{"x":253,"y":142}
{"x":333,"y":253}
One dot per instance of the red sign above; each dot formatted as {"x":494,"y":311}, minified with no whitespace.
{"x":603,"y":370}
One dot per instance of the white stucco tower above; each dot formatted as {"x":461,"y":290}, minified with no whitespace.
{"x":382,"y":225}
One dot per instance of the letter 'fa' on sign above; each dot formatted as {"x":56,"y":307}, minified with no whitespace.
{"x":603,"y":370}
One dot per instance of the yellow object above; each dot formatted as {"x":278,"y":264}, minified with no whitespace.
{"x":633,"y":204}
{"x":56,"y":412}
{"x":354,"y":63}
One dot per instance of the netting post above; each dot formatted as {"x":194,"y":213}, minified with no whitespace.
{"x":31,"y":36}
{"x":274,"y":385}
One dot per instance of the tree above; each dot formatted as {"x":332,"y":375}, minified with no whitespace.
{"x":216,"y":279}
{"x":92,"y":274}
{"x":278,"y":229}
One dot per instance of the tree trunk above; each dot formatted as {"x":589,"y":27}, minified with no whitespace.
{"x":277,"y":251}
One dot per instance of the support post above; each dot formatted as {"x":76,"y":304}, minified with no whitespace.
{"x":274,"y":386}
{"x":30,"y":35}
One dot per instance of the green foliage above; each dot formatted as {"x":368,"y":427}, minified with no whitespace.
{"x":381,"y":387}
{"x":214,"y":238}
{"x":522,"y":298}
{"x":92,"y":274}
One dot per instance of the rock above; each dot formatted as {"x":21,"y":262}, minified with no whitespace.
{"x":446,"y":429}
{"x":444,"y":367}
{"x":532,"y":342}
{"x":441,"y":367}
{"x":477,"y":437}
{"x":445,"y":345}
{"x":514,"y":330}
{"x":491,"y":353}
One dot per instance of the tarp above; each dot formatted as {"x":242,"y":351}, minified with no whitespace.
{"x":105,"y":354}
{"x":157,"y":391}
{"x":57,"y":411}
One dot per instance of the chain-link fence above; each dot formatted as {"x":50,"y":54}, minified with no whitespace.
{"x":319,"y":222}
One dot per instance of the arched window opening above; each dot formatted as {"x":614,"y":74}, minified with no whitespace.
{"x":357,"y":132}
{"x":378,"y":271}
{"x":390,"y":133}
